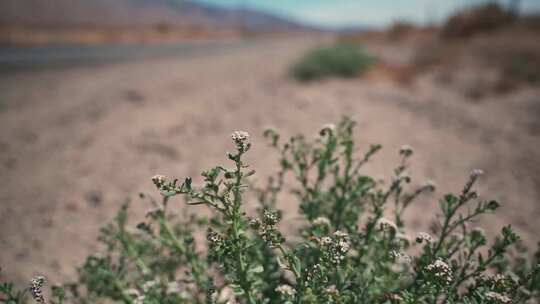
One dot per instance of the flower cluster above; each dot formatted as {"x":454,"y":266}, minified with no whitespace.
{"x":314,"y":273}
{"x":159,"y":180}
{"x":286,"y":290}
{"x":332,"y":290}
{"x":35,"y":289}
{"x":440,"y":271}
{"x":321,"y":221}
{"x":241,"y":140}
{"x":502,"y":283}
{"x":170,"y":187}
{"x":214,"y":239}
{"x":424,"y":237}
{"x":497,"y":297}
{"x":267,"y":227}
{"x":406,"y":150}
{"x":335,"y":248}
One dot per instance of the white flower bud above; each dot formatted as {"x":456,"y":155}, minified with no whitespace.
{"x":286,"y":290}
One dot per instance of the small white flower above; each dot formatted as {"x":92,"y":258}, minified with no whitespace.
{"x":498,"y":278}
{"x":332,"y":290}
{"x":270,"y":218}
{"x":386,"y":224}
{"x":226,"y":295}
{"x":35,"y":289}
{"x":476,"y":173}
{"x":213,"y":237}
{"x":321,"y":221}
{"x":173,"y":287}
{"x":325,"y":241}
{"x":441,"y":271}
{"x":286,"y":290}
{"x":424,"y":237}
{"x":241,"y":140}
{"x":329,"y":126}
{"x":159,"y":180}
{"x":240,"y":136}
{"x":406,"y":150}
{"x":344,"y":246}
{"x":339,"y":234}
{"x":255,"y":222}
{"x":336,"y":248}
{"x":497,"y":297}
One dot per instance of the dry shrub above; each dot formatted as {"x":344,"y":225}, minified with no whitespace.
{"x":474,"y":20}
{"x":435,"y":53}
{"x":510,"y":55}
{"x":402,"y":75}
{"x":400,"y":29}
{"x":516,"y":58}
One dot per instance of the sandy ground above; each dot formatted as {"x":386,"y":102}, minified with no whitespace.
{"x":75,"y":143}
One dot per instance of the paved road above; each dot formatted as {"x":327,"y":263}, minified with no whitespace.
{"x":17,"y":58}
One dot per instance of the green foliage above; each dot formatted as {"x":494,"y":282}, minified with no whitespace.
{"x":9,"y":295}
{"x":352,"y":246}
{"x":341,"y":60}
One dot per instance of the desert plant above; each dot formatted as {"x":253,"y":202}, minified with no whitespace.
{"x":352,"y":247}
{"x":400,"y":29}
{"x":476,"y":19}
{"x":340,"y":60}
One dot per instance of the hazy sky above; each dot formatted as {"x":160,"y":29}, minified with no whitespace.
{"x":339,"y":13}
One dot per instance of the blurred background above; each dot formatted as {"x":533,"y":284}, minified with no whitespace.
{"x":97,"y":96}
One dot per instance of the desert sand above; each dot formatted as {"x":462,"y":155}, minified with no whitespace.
{"x":76,"y":142}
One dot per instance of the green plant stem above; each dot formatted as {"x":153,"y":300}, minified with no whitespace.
{"x":133,"y":255}
{"x":291,"y":267}
{"x":342,"y":201}
{"x":235,"y":219}
{"x":182,"y":250}
{"x":125,"y":297}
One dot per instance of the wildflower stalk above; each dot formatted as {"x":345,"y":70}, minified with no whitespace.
{"x":341,"y":201}
{"x":235,"y":217}
{"x":450,"y":209}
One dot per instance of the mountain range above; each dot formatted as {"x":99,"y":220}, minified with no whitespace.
{"x":135,"y":14}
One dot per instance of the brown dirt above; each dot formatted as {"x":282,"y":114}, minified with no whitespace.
{"x":75,"y":143}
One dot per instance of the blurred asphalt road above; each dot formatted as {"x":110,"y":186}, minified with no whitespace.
{"x":17,"y":58}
